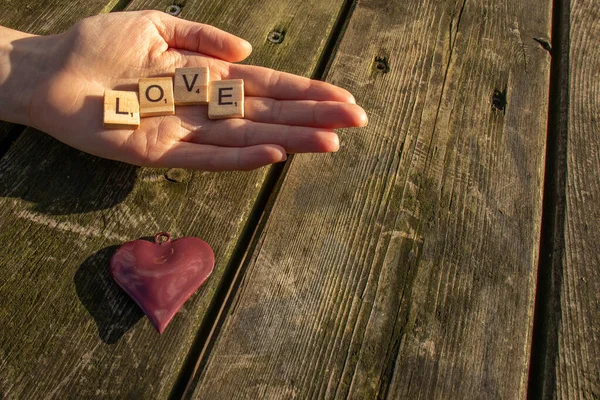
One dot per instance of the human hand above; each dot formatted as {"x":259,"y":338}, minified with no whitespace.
{"x":283,"y":112}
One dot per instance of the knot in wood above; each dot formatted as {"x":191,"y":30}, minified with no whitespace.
{"x":499,"y":100}
{"x":176,"y":175}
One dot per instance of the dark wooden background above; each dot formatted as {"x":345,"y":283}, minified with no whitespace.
{"x":446,"y":251}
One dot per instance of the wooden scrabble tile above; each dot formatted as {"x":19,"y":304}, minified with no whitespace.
{"x":121,"y":109}
{"x":156,"y":97}
{"x":191,"y":86}
{"x":226,"y":99}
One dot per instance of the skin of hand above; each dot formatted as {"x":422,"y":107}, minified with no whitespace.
{"x":56,"y":84}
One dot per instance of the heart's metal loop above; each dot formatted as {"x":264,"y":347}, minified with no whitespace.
{"x":162,"y":237}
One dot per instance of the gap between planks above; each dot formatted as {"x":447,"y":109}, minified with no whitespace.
{"x":9,"y":133}
{"x":234,"y":273}
{"x":544,"y":347}
{"x":115,"y":6}
{"x":280,"y":60}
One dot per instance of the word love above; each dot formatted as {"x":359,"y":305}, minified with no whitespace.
{"x":159,"y":96}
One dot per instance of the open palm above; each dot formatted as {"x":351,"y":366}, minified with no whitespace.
{"x":283,"y":112}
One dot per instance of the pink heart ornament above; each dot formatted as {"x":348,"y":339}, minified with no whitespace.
{"x":161,"y":276}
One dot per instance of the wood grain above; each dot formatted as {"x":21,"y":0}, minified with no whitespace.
{"x":47,"y":17}
{"x":404,"y":266}
{"x":577,"y":364}
{"x":67,"y":330}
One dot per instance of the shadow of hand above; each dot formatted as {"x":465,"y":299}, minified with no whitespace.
{"x":64,"y":180}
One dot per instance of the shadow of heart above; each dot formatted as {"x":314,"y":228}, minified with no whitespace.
{"x":112,"y":309}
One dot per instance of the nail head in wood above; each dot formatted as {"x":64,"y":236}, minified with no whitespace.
{"x":173,"y":9}
{"x":381,"y":64}
{"x":276,"y":37}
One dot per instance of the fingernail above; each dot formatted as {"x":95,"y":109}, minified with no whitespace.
{"x":283,"y":157}
{"x":247,"y":45}
{"x":335,"y":141}
{"x":363,"y":120}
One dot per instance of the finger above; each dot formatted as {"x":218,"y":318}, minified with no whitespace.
{"x":200,"y":38}
{"x":245,"y":133}
{"x":265,"y":82}
{"x":316,"y":114}
{"x":213,"y":158}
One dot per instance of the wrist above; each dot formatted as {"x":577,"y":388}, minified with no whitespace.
{"x":24,"y":62}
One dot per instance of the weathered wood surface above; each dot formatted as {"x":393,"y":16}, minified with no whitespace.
{"x":404,"y":266}
{"x":67,"y":330}
{"x":8,"y":134}
{"x":575,"y":369}
{"x":44,"y":17}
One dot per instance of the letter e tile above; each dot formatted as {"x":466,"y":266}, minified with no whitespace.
{"x":226,"y":99}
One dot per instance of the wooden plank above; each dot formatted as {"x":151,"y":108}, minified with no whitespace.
{"x":43,"y":17}
{"x":47,"y":17}
{"x":575,"y":357}
{"x":8,"y":134}
{"x":404,"y":266}
{"x":67,"y":330}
